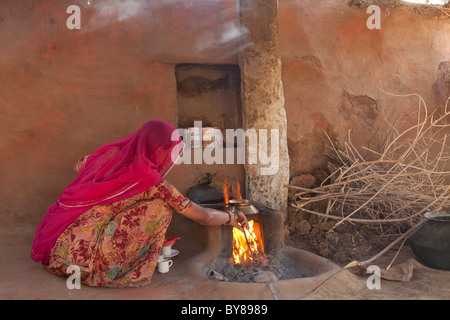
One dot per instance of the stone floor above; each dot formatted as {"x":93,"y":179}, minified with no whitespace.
{"x":21,"y":278}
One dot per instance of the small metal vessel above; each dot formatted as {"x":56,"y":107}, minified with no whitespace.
{"x":243,"y":205}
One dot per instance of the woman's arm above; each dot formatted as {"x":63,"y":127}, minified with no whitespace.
{"x":212,"y":217}
{"x":206,"y":216}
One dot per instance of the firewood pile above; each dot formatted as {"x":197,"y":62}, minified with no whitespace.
{"x":392,"y":188}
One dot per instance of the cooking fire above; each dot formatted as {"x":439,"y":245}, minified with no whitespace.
{"x":248,"y":246}
{"x":245,"y":257}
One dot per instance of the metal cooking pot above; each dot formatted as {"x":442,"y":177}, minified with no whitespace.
{"x":243,"y":205}
{"x":207,"y":196}
{"x":431,"y":243}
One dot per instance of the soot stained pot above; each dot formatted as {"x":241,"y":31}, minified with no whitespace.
{"x":207,"y":196}
{"x":431,"y":243}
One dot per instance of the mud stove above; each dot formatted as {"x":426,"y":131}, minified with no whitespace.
{"x":257,"y":255}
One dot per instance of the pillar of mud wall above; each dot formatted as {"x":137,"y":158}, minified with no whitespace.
{"x":263,"y":103}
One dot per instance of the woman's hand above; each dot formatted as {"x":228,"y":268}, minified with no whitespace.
{"x":213,"y":217}
{"x":240,"y":220}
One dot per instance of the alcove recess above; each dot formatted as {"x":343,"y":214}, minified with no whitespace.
{"x":210,"y":93}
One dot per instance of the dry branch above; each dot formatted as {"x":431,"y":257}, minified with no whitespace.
{"x":393,"y":189}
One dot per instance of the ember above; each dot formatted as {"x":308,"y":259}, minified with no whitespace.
{"x":256,"y":255}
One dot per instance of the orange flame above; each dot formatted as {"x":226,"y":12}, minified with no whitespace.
{"x":225,"y":190}
{"x":238,"y":191}
{"x":243,"y":251}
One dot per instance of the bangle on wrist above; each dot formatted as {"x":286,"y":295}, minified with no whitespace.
{"x":232,"y":218}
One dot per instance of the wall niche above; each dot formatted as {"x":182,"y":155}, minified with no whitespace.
{"x":209,"y":93}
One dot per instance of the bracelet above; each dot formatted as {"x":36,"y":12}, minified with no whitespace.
{"x":232,"y":218}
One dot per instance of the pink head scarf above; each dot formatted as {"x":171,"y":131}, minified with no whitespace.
{"x":114,"y":172}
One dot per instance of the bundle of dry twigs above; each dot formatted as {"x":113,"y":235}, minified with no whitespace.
{"x":444,"y":9}
{"x":393,"y":188}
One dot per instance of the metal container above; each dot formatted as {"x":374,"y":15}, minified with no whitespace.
{"x":431,"y":243}
{"x":243,"y":205}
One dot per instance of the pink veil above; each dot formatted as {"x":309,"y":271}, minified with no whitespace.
{"x":114,"y":172}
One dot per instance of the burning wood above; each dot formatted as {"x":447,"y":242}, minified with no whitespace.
{"x":249,"y":246}
{"x":243,"y":258}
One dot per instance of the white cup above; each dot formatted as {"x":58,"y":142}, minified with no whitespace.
{"x":167,"y":250}
{"x":164,"y":265}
